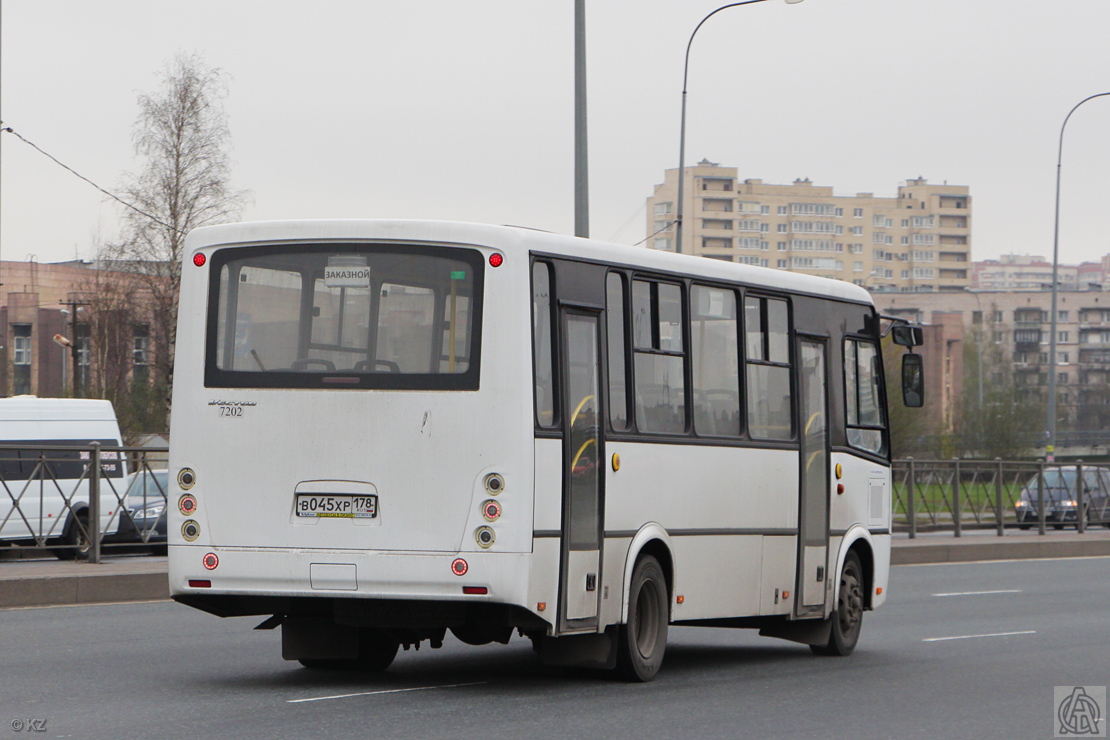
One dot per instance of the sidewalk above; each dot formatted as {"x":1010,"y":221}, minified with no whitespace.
{"x":29,"y":583}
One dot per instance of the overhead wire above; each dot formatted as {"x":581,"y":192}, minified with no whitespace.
{"x":13,"y":132}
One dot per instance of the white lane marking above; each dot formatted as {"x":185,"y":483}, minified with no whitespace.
{"x":386,"y":691}
{"x":982,"y":593}
{"x":968,"y":637}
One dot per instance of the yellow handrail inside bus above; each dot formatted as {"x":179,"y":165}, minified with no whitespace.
{"x":581,"y":449}
{"x":580,"y":405}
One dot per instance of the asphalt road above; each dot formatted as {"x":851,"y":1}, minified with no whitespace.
{"x":969,"y":650}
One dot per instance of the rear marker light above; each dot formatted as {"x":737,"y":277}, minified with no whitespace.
{"x":879,"y":591}
{"x":491,"y":510}
{"x":495,"y":484}
{"x":210,"y":561}
{"x":190,"y":530}
{"x":186,"y":478}
{"x":541,"y":606}
{"x":484,"y":536}
{"x":680,"y":599}
{"x":475,"y":590}
{"x":199,"y":260}
{"x":198,"y":583}
{"x":187,"y":504}
{"x":496,"y":260}
{"x":459,"y":567}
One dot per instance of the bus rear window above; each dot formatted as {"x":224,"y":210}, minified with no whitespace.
{"x":344,"y":316}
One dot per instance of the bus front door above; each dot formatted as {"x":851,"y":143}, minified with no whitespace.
{"x":582,"y":470}
{"x":813,"y":510}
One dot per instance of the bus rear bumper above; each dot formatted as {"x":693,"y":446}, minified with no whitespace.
{"x":422,"y":576}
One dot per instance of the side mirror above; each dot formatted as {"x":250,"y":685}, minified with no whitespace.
{"x":907,"y":336}
{"x":913,"y":381}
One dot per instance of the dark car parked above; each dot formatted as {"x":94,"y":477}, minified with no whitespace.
{"x":1061,"y":497}
{"x":144,"y":517}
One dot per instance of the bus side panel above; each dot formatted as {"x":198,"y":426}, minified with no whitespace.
{"x":780,"y":555}
{"x":716,"y":503}
{"x":717,"y":576}
{"x":547,"y":513}
{"x":865,"y":504}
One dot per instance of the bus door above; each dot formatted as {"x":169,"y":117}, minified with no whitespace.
{"x":582,"y":468}
{"x":813,"y":509}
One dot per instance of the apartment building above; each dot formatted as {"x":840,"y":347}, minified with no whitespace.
{"x":1034,"y":272}
{"x":1019,"y":324}
{"x":917,"y":241}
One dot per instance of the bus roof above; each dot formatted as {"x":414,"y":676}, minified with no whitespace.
{"x":513,"y":240}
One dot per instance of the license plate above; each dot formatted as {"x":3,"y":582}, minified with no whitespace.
{"x":337,"y":505}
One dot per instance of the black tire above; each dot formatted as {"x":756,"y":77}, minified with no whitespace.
{"x":1024,"y":526}
{"x":76,"y":538}
{"x":376,"y":651}
{"x":643,"y":640}
{"x":847,"y":620}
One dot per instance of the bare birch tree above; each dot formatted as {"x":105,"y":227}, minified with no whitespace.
{"x":181,"y":133}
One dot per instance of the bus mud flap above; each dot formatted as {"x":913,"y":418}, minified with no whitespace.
{"x":583,"y":651}
{"x":805,"y":631}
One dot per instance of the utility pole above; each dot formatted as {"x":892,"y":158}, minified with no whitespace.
{"x":74,"y":306}
{"x":581,"y":167}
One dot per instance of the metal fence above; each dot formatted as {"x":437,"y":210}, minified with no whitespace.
{"x":957,"y":495}
{"x":73,"y":500}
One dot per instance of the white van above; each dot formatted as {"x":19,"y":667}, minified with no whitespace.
{"x":44,"y":493}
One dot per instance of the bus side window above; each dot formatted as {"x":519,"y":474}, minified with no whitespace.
{"x":618,"y":379}
{"x":543,"y":364}
{"x":767,"y":332}
{"x":659,"y":361}
{"x":863,"y":401}
{"x":715,"y":358}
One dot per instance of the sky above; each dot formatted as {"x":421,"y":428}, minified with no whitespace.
{"x":464,"y":109}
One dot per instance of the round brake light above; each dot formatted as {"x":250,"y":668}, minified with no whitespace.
{"x":495,"y":259}
{"x":199,"y":259}
{"x":210,"y":561}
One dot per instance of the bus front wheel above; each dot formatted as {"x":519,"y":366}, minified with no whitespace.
{"x":848,"y":617}
{"x":643,"y":639}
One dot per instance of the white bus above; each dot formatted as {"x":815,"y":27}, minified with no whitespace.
{"x":384,"y":430}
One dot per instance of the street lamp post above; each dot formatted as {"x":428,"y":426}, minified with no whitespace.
{"x":1050,"y":432}
{"x":682,"y":125}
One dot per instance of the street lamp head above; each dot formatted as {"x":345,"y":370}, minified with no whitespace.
{"x":793,"y":2}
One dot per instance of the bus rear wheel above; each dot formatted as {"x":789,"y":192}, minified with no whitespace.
{"x":847,"y":620}
{"x":643,"y":640}
{"x":376,"y":651}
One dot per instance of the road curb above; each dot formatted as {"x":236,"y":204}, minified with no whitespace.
{"x":916,"y":552}
{"x":82,"y":589}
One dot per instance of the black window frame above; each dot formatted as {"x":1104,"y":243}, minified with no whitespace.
{"x":468,"y":380}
